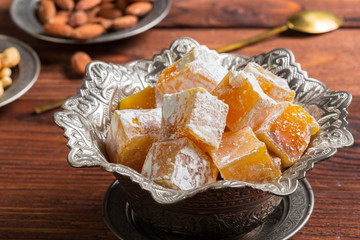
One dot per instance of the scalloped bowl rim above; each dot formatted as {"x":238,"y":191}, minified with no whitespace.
{"x":164,"y":195}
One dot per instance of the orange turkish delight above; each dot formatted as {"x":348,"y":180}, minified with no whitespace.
{"x":275,"y":87}
{"x":198,"y":68}
{"x":179,"y":164}
{"x":276,"y":160}
{"x":287,"y":132}
{"x":243,"y":157}
{"x":183,"y":144}
{"x":145,"y":99}
{"x":248,"y":104}
{"x":131,"y":133}
{"x":195,"y":114}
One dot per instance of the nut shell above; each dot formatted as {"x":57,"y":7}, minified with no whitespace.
{"x":79,"y":60}
{"x":86,"y":4}
{"x":139,"y":8}
{"x":110,"y":13}
{"x":58,"y":29}
{"x":78,"y":18}
{"x":65,"y":4}
{"x":46,"y":11}
{"x":61,"y":17}
{"x":124,"y":22}
{"x":88,"y":31}
{"x":106,"y":23}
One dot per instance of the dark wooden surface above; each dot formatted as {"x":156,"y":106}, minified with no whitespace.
{"x":42,"y":197}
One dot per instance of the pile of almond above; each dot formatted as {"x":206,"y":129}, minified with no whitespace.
{"x":87,"y":19}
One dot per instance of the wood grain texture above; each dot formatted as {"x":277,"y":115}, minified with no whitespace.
{"x":42,"y":197}
{"x":255,"y":13}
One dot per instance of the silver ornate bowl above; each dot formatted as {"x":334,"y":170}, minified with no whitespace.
{"x":223,"y":208}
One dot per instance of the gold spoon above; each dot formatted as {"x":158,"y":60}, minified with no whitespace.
{"x":308,"y":21}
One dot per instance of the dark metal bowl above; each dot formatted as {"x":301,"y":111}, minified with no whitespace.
{"x":23,"y":13}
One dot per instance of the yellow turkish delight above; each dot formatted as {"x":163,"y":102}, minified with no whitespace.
{"x":131,"y":134}
{"x":287,"y":132}
{"x":275,"y":87}
{"x":195,"y":114}
{"x":179,"y":164}
{"x":248,"y":104}
{"x":182,"y":145}
{"x":198,"y":68}
{"x":241,"y":156}
{"x":145,"y":99}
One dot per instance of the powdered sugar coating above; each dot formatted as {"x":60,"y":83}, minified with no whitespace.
{"x":241,"y":156}
{"x":140,"y":121}
{"x":195,"y":114}
{"x":274,"y":86}
{"x":198,"y":68}
{"x":179,"y":164}
{"x":288,"y":132}
{"x":248,"y":104}
{"x":131,"y":133}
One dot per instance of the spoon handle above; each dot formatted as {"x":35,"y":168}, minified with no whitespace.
{"x":251,"y":40}
{"x":49,"y":106}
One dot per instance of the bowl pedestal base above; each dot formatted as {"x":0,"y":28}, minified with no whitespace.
{"x":287,"y":219}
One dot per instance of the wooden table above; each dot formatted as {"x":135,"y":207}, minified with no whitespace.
{"x":42,"y":197}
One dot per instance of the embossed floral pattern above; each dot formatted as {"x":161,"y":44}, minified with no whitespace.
{"x":85,"y":117}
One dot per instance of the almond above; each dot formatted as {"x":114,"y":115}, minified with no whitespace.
{"x":107,"y":4}
{"x":110,"y":13}
{"x":93,"y":12}
{"x":124,"y":22}
{"x":58,"y":29}
{"x":88,"y":31}
{"x":138,"y":9}
{"x":46,"y":11}
{"x":79,"y":60}
{"x":78,"y":18}
{"x":121,"y":4}
{"x":86,"y":4}
{"x":61,"y":17}
{"x":132,"y":1}
{"x":65,"y":4}
{"x":106,"y":23}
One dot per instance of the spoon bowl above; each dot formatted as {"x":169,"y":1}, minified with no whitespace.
{"x":308,"y":21}
{"x":312,"y":21}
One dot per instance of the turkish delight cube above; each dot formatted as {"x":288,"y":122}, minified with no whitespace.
{"x":248,"y":104}
{"x":179,"y":164}
{"x":275,"y":87}
{"x":145,"y":99}
{"x":243,"y":157}
{"x":195,"y":114}
{"x":131,"y":133}
{"x":198,"y":68}
{"x":287,"y":132}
